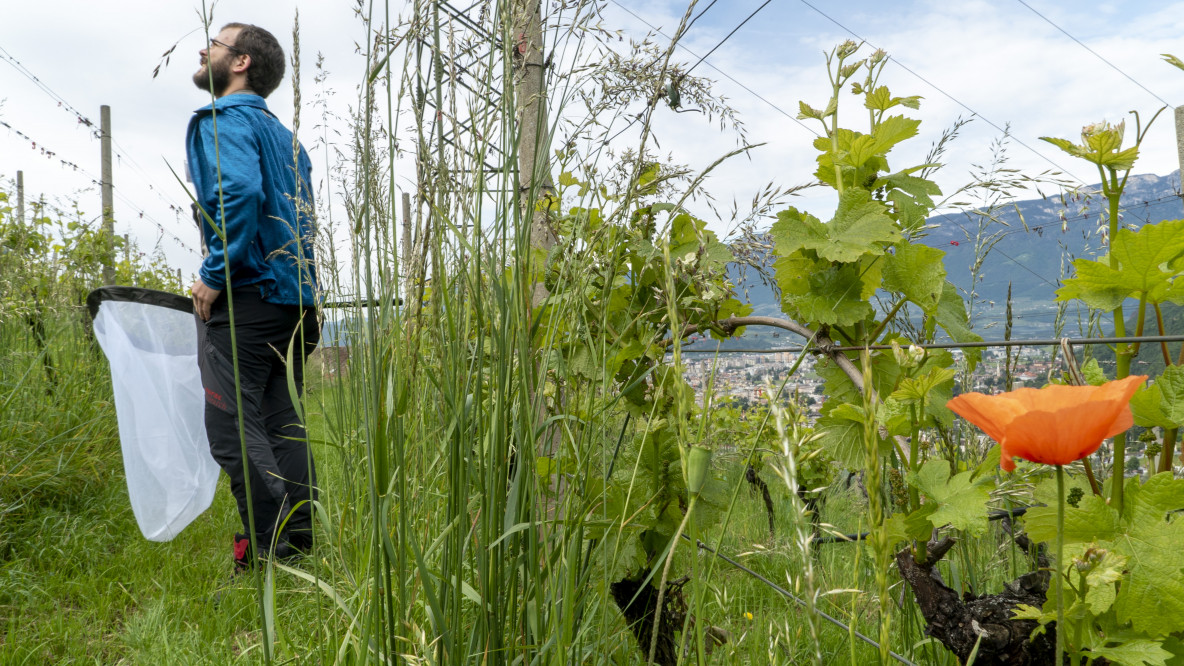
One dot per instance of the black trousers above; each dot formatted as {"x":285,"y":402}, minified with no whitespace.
{"x":279,"y":461}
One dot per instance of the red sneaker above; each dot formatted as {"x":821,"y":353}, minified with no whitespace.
{"x":242,"y":554}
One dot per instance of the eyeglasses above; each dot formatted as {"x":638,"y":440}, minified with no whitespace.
{"x":228,"y":47}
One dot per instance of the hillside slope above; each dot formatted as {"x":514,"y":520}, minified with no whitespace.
{"x":1039,"y":240}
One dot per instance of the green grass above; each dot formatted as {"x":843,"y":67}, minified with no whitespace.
{"x":438,"y":539}
{"x":79,"y":584}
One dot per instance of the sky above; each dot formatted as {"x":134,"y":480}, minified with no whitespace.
{"x":1006,"y":63}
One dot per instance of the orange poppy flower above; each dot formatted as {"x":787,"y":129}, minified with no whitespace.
{"x":1054,"y":425}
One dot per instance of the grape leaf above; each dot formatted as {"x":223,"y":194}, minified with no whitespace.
{"x":1171,"y":384}
{"x":1093,"y":373}
{"x":1135,"y":652}
{"x":906,"y":527}
{"x":1097,"y":285}
{"x":910,"y":211}
{"x":1102,"y":150}
{"x":1141,"y":258}
{"x":1101,"y":579}
{"x":862,"y":149}
{"x":1105,"y":139}
{"x":882,"y":100}
{"x":848,"y":411}
{"x":871,"y":272}
{"x":1091,"y":520}
{"x":1067,"y":146}
{"x":1148,"y":534}
{"x":842,"y":439}
{"x":794,"y":230}
{"x":1162,"y":403}
{"x":895,"y":416}
{"x":917,"y":389}
{"x":917,"y":272}
{"x":1142,"y":253}
{"x":1147,"y":408}
{"x":792,"y":272}
{"x":951,"y":316}
{"x":805,"y":111}
{"x":911,"y":196}
{"x":832,"y":296}
{"x":859,"y":227}
{"x":961,"y":500}
{"x":893,"y":130}
{"x":1121,"y":160}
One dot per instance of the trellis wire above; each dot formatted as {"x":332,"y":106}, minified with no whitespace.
{"x":948,"y":95}
{"x":789,"y":595}
{"x":999,"y":514}
{"x":1037,"y":342}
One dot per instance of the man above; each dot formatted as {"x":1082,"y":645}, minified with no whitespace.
{"x":254,"y":192}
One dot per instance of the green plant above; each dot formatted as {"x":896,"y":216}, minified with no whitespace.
{"x":828,"y":275}
{"x":1121,"y":572}
{"x":1143,"y":264}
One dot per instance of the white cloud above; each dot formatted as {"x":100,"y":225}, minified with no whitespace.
{"x":998,"y":58}
{"x":104,"y":53}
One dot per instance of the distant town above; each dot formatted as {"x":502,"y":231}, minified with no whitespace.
{"x":746,"y":376}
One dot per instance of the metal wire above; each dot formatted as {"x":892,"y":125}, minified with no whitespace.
{"x":948,"y":95}
{"x":788,"y":595}
{"x":1098,"y":55}
{"x":729,"y":36}
{"x":999,"y":514}
{"x":359,"y":304}
{"x":792,"y":117}
{"x":1037,"y":342}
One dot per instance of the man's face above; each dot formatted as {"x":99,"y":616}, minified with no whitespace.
{"x":216,"y":61}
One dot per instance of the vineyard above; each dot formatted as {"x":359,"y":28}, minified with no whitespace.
{"x":526,"y":450}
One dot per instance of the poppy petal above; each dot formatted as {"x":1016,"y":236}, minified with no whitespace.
{"x":1005,"y":460}
{"x":1054,"y":425}
{"x":991,"y":413}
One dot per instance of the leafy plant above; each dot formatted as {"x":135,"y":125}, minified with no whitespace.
{"x":635,"y":288}
{"x":830,"y":274}
{"x":1123,"y":572}
{"x":1142,"y":265}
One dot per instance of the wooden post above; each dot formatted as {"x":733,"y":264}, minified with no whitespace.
{"x":108,"y":198}
{"x":180,"y":282}
{"x":1180,"y":143}
{"x":534,"y":144}
{"x":127,"y":250}
{"x":406,"y":249}
{"x":20,"y":198}
{"x":534,"y":170}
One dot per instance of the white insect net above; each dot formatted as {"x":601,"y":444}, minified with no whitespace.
{"x":151,"y":344}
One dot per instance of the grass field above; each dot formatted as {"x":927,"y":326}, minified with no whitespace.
{"x":509,"y":460}
{"x":80,"y":585}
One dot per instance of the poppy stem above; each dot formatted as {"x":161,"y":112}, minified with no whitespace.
{"x":1169,"y":447}
{"x":1089,"y":474}
{"x":1060,"y":561}
{"x":1112,"y":189}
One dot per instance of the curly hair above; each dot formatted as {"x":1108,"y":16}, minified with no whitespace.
{"x":267,"y":57}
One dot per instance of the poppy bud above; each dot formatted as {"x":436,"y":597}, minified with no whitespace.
{"x":698,"y":464}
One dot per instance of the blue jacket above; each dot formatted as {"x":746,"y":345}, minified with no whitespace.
{"x":269,"y":231}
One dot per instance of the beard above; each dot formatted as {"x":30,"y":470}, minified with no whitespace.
{"x":213,"y":76}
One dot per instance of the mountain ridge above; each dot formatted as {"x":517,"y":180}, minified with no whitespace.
{"x":1040,"y":238}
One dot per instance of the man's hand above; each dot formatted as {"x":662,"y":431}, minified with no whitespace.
{"x":203,"y":298}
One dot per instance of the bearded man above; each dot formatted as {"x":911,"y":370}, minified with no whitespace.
{"x":255,"y":296}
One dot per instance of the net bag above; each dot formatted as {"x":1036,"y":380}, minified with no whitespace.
{"x":150,"y":339}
